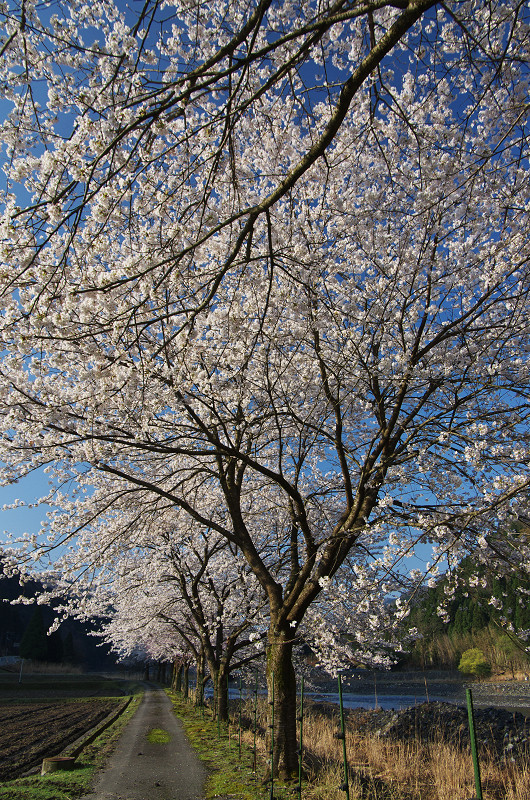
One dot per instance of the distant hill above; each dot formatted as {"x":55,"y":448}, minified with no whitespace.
{"x":471,"y":620}
{"x":71,"y":644}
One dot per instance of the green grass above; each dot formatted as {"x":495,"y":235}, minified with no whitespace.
{"x":76,"y":783}
{"x":228,"y":774}
{"x":158,"y":736}
{"x":54,"y":786}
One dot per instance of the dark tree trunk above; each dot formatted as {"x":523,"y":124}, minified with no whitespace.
{"x":146,"y":671}
{"x":280,"y":670}
{"x":199,"y":686}
{"x":177,"y":676}
{"x":186,"y":680}
{"x":218,"y":677}
{"x":221,"y":694}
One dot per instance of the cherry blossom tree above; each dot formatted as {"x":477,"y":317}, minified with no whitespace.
{"x":267,"y":270}
{"x":226,"y":605}
{"x":144,"y":621}
{"x":194,"y":586}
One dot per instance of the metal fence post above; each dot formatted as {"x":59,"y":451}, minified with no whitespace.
{"x":300,"y":752}
{"x":342,"y":735}
{"x":473,"y":739}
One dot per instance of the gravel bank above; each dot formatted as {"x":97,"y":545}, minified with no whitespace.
{"x":504,"y":734}
{"x":512,"y":695}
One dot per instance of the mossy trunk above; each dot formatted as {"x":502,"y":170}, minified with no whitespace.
{"x":218,"y":668}
{"x":280,"y":670}
{"x":220,"y":693}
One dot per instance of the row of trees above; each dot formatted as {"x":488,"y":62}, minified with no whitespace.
{"x":265,"y":281}
{"x":192,"y":599}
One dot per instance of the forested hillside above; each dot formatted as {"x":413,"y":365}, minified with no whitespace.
{"x":472,"y":609}
{"x":24,"y":631}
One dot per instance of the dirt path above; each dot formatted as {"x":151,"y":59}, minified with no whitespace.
{"x":140,"y":769}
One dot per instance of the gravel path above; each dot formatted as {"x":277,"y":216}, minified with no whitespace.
{"x":140,"y":769}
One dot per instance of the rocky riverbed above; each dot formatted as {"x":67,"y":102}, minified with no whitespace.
{"x":513,"y":695}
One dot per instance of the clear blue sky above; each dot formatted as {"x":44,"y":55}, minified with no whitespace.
{"x":23,"y":520}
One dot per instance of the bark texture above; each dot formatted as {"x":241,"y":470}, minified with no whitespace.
{"x":281,"y":684}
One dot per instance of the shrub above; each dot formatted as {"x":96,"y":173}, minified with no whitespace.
{"x":473,"y":662}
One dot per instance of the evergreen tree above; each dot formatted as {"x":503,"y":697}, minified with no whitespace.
{"x":469,"y":611}
{"x":55,"y":648}
{"x":34,"y":644}
{"x":69,"y":656}
{"x":478,"y":619}
{"x":458,"y":623}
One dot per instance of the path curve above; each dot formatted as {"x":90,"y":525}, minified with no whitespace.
{"x":141,"y":770}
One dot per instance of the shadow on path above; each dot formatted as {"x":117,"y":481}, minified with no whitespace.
{"x":140,"y":769}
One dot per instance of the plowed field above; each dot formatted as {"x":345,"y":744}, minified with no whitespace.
{"x":33,"y":731}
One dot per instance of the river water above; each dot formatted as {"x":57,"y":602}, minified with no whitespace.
{"x":396,"y":690}
{"x":385,"y":701}
{"x":403,"y":690}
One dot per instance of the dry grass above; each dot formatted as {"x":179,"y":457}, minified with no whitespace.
{"x":42,"y":668}
{"x":384,"y":770}
{"x":444,"y":651}
{"x":517,"y":782}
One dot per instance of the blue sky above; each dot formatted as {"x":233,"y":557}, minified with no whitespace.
{"x":23,"y":520}
{"x":28,"y":520}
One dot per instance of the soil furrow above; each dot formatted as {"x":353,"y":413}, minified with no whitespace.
{"x":27,"y":738}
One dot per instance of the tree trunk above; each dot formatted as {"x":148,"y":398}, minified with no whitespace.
{"x":218,"y":677}
{"x":199,"y":685}
{"x":177,"y":677}
{"x":280,"y":670}
{"x":221,"y":694}
{"x":186,"y":680}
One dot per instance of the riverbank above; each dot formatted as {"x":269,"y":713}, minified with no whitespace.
{"x":394,"y":690}
{"x":419,"y":753}
{"x":381,"y":765}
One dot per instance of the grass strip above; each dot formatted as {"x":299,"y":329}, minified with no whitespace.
{"x":158,"y":736}
{"x":78,"y":782}
{"x":228,"y":774}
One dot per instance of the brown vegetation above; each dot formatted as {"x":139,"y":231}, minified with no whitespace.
{"x":391,"y":770}
{"x":506,"y":657}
